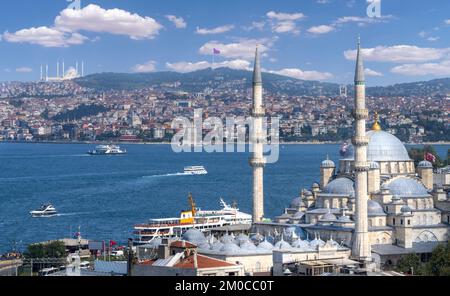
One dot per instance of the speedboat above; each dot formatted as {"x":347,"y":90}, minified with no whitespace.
{"x":195,"y":170}
{"x":107,"y":150}
{"x":46,"y":210}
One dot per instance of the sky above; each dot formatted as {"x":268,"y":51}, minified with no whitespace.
{"x":306,"y":39}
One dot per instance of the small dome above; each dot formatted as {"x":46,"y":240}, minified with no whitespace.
{"x":194,"y":236}
{"x":241,"y":239}
{"x":340,"y":186}
{"x":407,"y":187}
{"x":328,"y":164}
{"x":297,"y":203}
{"x":230,"y":248}
{"x":317,"y":243}
{"x":217,"y":246}
{"x":300,"y":244}
{"x":329,"y":217}
{"x":316,"y":186}
{"x":406,"y":209}
{"x":282,"y":245}
{"x":345,"y":219}
{"x":227,"y":239}
{"x":298,"y":215}
{"x":374,"y":165}
{"x":248,"y":246}
{"x":425,"y":164}
{"x":265,"y":245}
{"x":374,"y":209}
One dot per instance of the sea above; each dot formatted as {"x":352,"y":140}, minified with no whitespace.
{"x":105,"y":196}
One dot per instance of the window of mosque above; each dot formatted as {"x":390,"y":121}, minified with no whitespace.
{"x":409,"y":222}
{"x":448,"y":219}
{"x":380,"y":222}
{"x":370,"y":222}
{"x":401,"y":221}
{"x":387,"y":209}
{"x":393,"y":221}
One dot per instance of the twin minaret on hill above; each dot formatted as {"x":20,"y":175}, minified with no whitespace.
{"x":361,"y":245}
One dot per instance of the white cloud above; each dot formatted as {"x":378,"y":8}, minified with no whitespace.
{"x":285,"y":16}
{"x":361,"y":21}
{"x":177,"y":21}
{"x":323,"y":29}
{"x":24,"y":70}
{"x":44,"y":36}
{"x":323,"y":1}
{"x":218,"y":30}
{"x":399,"y":54}
{"x":447,"y":22}
{"x":303,"y":75}
{"x":150,"y":66}
{"x":185,"y":67}
{"x":94,"y":18}
{"x":436,"y":69}
{"x":370,"y":72}
{"x":243,"y":49}
{"x":284,"y":22}
{"x":256,"y":26}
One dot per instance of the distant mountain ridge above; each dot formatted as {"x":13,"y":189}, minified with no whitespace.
{"x":197,"y":81}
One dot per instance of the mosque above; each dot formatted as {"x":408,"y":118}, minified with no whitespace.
{"x":364,"y":214}
{"x":376,"y":201}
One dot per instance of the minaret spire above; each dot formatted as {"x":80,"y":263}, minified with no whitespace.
{"x":257,"y":161}
{"x":361,"y":248}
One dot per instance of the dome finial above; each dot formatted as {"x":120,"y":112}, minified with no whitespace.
{"x":376,"y":126}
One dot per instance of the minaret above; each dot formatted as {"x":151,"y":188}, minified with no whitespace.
{"x":361,"y":244}
{"x":57,"y":69}
{"x":257,"y":162}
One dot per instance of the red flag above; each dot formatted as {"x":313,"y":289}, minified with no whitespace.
{"x":112,"y":243}
{"x":430,"y":157}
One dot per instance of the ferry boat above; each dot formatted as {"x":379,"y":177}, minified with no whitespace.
{"x":193,"y":218}
{"x":46,"y":210}
{"x":107,"y":150}
{"x":195,"y":170}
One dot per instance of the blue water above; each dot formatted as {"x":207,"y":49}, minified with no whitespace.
{"x":106,"y":196}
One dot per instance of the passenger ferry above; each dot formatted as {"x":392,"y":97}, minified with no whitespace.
{"x":195,"y":170}
{"x":107,"y":150}
{"x":193,"y":218}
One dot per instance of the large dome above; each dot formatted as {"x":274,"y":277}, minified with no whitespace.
{"x":383,"y":146}
{"x":340,"y":186}
{"x":407,"y":187}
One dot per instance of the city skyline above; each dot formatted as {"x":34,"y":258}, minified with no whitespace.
{"x":294,"y":38}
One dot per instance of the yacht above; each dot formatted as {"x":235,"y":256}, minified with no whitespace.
{"x":46,"y":210}
{"x":193,"y":218}
{"x":107,"y":150}
{"x":195,"y":170}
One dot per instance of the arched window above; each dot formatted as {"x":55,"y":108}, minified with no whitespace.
{"x":419,"y":221}
{"x":380,"y":222}
{"x":370,"y":222}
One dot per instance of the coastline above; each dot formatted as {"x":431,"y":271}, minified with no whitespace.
{"x":169,"y":143}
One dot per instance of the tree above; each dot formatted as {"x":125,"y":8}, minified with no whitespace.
{"x":439,"y":264}
{"x":409,"y":264}
{"x":55,"y":249}
{"x":417,"y":154}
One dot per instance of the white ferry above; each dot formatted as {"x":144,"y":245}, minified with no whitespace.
{"x":195,"y":170}
{"x":46,"y":210}
{"x":193,"y":218}
{"x":107,"y":150}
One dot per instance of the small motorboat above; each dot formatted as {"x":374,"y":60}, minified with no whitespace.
{"x":46,"y":210}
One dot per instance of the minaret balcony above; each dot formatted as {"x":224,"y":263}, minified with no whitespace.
{"x":360,"y":141}
{"x":360,"y":114}
{"x":258,"y":114}
{"x":257,"y":162}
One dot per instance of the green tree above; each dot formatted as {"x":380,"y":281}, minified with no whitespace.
{"x":409,"y":264}
{"x":439,"y":264}
{"x":55,"y":249}
{"x":417,"y":154}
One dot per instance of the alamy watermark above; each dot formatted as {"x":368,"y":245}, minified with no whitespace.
{"x":75,"y":5}
{"x":212,"y":135}
{"x":374,"y":8}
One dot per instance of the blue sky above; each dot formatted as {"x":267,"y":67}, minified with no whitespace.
{"x":307,"y":39}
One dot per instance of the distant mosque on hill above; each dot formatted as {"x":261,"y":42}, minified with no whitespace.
{"x":376,"y":202}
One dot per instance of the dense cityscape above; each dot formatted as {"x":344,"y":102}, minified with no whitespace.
{"x":67,"y":111}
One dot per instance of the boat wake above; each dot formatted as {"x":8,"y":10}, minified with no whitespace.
{"x":167,"y":175}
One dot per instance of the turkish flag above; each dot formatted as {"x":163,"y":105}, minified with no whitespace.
{"x":112,"y":243}
{"x":430,"y":157}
